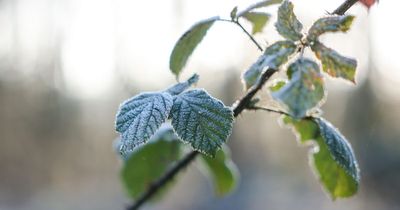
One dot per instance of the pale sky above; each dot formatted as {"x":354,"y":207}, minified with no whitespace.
{"x":135,"y":38}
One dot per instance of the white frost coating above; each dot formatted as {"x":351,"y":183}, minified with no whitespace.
{"x":139,"y":117}
{"x":201,"y":120}
{"x":274,"y":56}
{"x":339,"y":147}
{"x":182,"y":86}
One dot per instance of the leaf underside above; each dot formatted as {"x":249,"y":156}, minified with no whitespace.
{"x":149,"y":162}
{"x":222,"y":170}
{"x":201,"y":120}
{"x":257,"y":19}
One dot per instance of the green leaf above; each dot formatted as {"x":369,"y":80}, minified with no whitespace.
{"x":257,"y":19}
{"x":334,"y":160}
{"x":259,"y":5}
{"x":201,"y":120}
{"x":187,"y":43}
{"x":339,"y":147}
{"x":335,"y":64}
{"x":329,"y":24}
{"x":304,"y":91}
{"x":149,"y":162}
{"x":139,"y":117}
{"x":182,"y":86}
{"x":233,"y":13}
{"x":277,"y":85}
{"x":287,"y":25}
{"x":305,"y":129}
{"x":274,"y":56}
{"x":222,"y":170}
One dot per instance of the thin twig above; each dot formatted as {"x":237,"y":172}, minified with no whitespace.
{"x":267,"y":109}
{"x":249,"y":35}
{"x":344,"y":7}
{"x":238,"y":107}
{"x":236,"y":22}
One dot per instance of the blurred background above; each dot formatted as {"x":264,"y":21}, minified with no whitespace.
{"x":65,"y":65}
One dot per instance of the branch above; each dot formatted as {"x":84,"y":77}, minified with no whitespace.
{"x":238,"y":107}
{"x":344,"y":7}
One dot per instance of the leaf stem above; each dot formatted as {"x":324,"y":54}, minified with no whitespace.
{"x":236,"y":22}
{"x":249,"y":35}
{"x":238,"y":107}
{"x":267,"y":110}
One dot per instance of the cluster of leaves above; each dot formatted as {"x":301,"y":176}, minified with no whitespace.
{"x":196,"y":118}
{"x":304,"y":92}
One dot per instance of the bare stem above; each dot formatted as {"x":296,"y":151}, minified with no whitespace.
{"x":238,"y":107}
{"x":344,"y":7}
{"x":249,"y":35}
{"x":236,"y":22}
{"x":267,"y":110}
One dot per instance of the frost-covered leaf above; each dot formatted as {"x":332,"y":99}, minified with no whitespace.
{"x":187,"y":43}
{"x":182,"y":86}
{"x":336,"y":178}
{"x":287,"y":25}
{"x":329,"y":24}
{"x":257,"y":19}
{"x":139,"y":117}
{"x":304,"y":91}
{"x":273,"y":57}
{"x":257,"y":5}
{"x":335,"y":64}
{"x":339,"y":147}
{"x":222,"y":170}
{"x":201,"y":120}
{"x":149,"y":162}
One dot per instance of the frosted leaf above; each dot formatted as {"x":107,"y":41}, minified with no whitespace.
{"x":304,"y":91}
{"x":333,"y":63}
{"x":274,"y":56}
{"x":182,"y":86}
{"x":339,"y":147}
{"x":139,"y":117}
{"x":329,"y":24}
{"x":332,"y":157}
{"x":287,"y":25}
{"x":201,"y":120}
